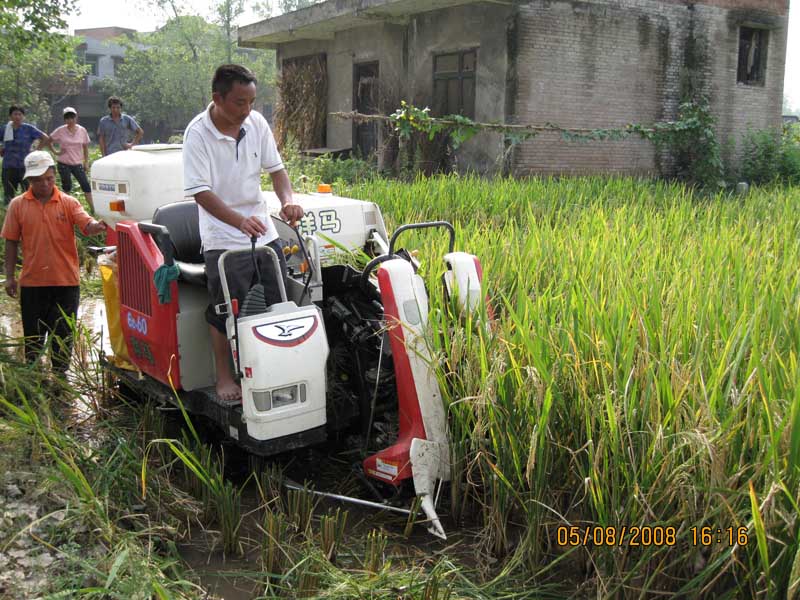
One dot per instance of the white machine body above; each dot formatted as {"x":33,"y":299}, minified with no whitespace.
{"x":282,"y":355}
{"x":141,"y":179}
{"x":463,"y":280}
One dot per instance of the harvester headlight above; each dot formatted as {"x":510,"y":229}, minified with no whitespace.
{"x":279,"y":397}
{"x":284,"y":396}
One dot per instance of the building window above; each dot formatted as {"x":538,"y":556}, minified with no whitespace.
{"x":454,"y":83}
{"x":752,"y":56}
{"x":92,"y":60}
{"x":118,"y":60}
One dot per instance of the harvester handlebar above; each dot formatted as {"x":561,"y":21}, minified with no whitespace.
{"x":427,"y":225}
{"x":161,"y":238}
{"x":365,"y":274}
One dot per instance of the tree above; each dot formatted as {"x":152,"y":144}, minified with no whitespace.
{"x":271,"y":8}
{"x":227,"y":13}
{"x":166,"y":76}
{"x":33,"y":21}
{"x":39,"y":64}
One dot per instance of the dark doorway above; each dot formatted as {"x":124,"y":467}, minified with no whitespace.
{"x":366,"y":101}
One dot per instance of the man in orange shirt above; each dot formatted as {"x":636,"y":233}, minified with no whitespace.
{"x":44,"y":219}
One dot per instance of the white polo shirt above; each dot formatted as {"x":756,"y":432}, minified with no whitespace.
{"x":232,"y":170}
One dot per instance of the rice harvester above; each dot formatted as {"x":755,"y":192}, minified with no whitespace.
{"x":343,"y":342}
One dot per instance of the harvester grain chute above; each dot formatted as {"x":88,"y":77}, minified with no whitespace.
{"x":342,"y":344}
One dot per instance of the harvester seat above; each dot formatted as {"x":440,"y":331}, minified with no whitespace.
{"x":182,"y":221}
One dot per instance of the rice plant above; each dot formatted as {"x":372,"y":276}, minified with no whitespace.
{"x":642,"y":375}
{"x":331,"y":533}
{"x":300,"y":506}
{"x":374,"y":558}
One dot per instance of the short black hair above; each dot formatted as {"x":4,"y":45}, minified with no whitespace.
{"x":14,"y":109}
{"x":114,"y":100}
{"x":226,"y":75}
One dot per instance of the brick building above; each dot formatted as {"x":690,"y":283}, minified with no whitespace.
{"x":583,"y":64}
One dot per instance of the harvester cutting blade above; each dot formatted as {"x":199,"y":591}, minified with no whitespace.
{"x":427,"y":467}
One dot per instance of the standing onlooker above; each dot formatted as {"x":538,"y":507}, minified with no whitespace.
{"x":45,"y":219}
{"x":73,"y":154}
{"x":115,"y":130}
{"x":18,"y":137}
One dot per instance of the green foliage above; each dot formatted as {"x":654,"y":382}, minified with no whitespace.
{"x":39,"y":64}
{"x":307,"y":173}
{"x":166,"y":76}
{"x":227,"y":11}
{"x":27,"y":23}
{"x":271,"y":8}
{"x":693,"y":144}
{"x":409,"y":119}
{"x":642,"y":372}
{"x":770,"y":156}
{"x":38,"y":74}
{"x":690,"y":140}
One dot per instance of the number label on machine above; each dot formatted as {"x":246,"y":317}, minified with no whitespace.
{"x":137,"y":323}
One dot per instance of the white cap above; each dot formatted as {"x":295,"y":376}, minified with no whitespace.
{"x":68,"y":109}
{"x":37,"y":163}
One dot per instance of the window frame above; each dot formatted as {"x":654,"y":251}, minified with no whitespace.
{"x":762,"y":33}
{"x":463,"y":77}
{"x":92,"y":59}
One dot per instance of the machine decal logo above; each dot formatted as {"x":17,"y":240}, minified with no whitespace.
{"x":386,"y":467}
{"x":287,"y":333}
{"x":381,"y":475}
{"x":328,"y":221}
{"x":141,"y":350}
{"x":137,"y":323}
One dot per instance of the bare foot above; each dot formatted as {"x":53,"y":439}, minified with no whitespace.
{"x":228,"y":390}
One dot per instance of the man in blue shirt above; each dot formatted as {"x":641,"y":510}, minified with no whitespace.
{"x":115,"y":130}
{"x":18,"y":137}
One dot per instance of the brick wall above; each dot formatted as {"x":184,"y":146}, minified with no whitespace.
{"x":600,"y":65}
{"x":740,"y":108}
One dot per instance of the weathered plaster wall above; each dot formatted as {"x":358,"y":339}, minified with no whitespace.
{"x":382,"y":42}
{"x":477,"y":26}
{"x":405,"y":55}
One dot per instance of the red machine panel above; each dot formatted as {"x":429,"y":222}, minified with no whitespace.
{"x":149,"y":328}
{"x":393,"y":464}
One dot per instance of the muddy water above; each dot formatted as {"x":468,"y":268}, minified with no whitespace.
{"x":91,"y":314}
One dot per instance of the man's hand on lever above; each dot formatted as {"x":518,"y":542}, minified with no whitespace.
{"x":252,"y":227}
{"x":292,"y":213}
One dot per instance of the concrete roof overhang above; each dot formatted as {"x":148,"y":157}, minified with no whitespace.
{"x":321,"y":21}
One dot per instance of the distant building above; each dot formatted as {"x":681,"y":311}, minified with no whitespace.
{"x":790,"y":119}
{"x":578,"y":63}
{"x":103,"y":55}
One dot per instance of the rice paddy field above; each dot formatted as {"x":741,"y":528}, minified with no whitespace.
{"x":627,"y":427}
